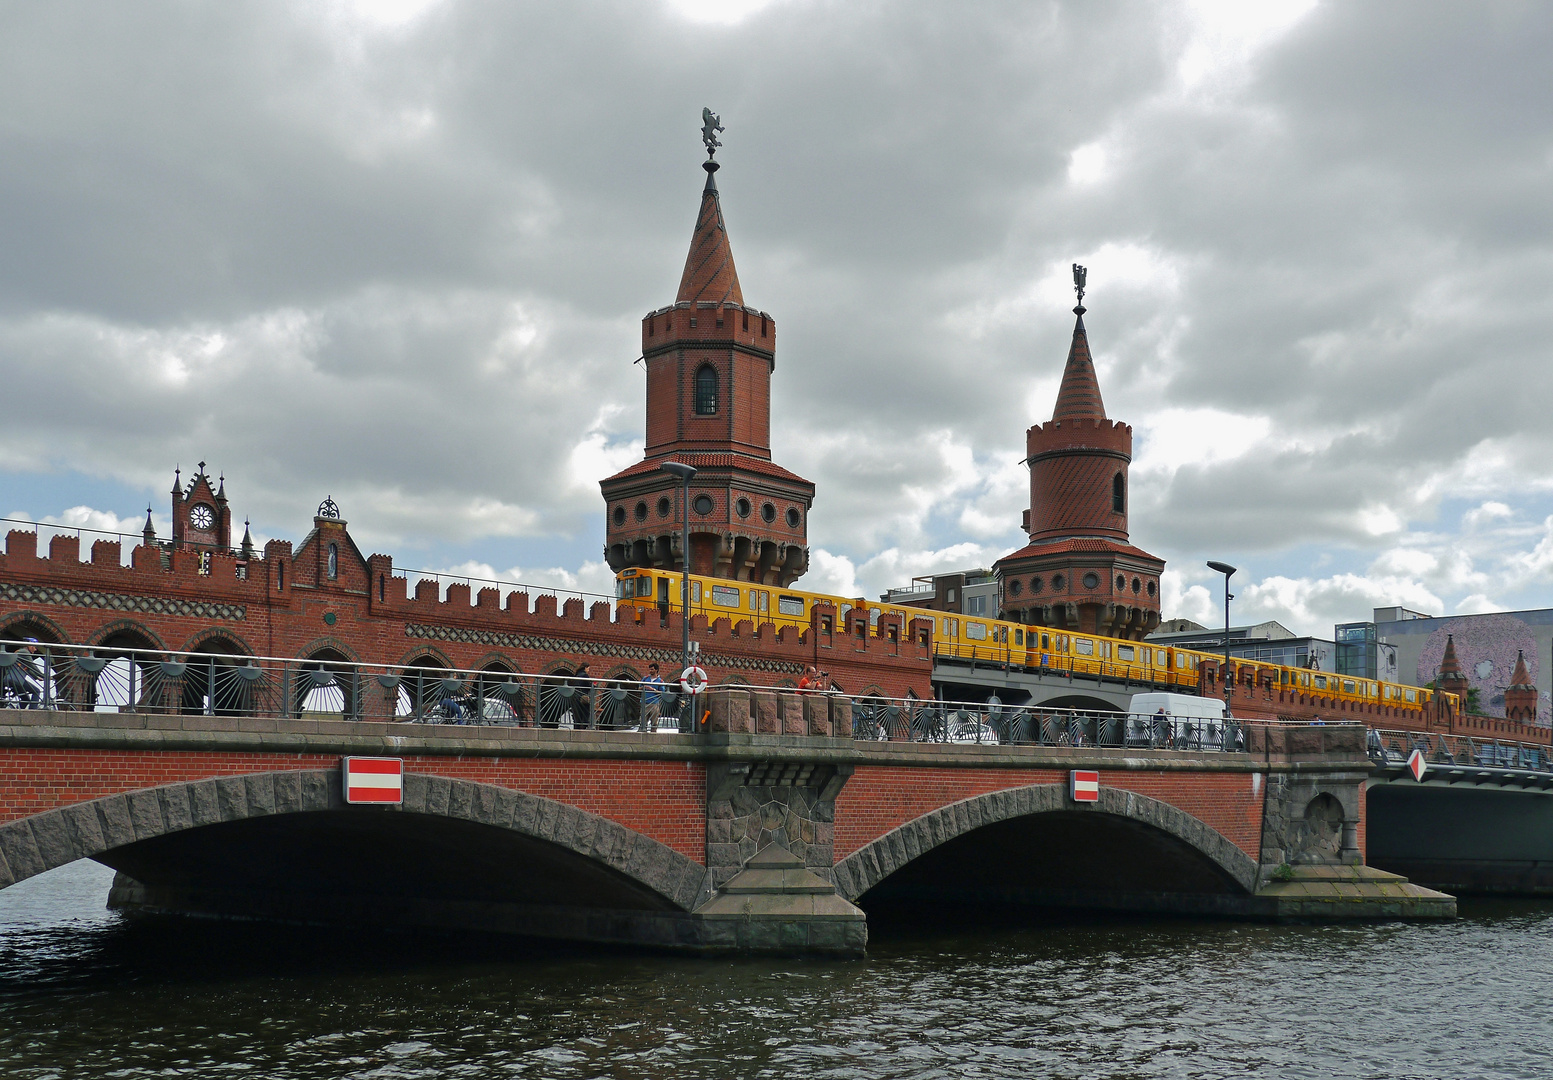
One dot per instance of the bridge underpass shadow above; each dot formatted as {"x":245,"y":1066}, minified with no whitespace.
{"x":1025,"y":869}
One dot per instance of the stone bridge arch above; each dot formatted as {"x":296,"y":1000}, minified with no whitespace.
{"x":662,"y":878}
{"x":872,"y":864}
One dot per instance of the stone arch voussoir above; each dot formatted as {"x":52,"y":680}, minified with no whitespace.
{"x":32,"y":845}
{"x":872,"y":863}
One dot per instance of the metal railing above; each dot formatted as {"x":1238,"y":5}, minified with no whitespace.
{"x":920,"y":720}
{"x":84,"y":679}
{"x":1392,"y":748}
{"x":124,"y":680}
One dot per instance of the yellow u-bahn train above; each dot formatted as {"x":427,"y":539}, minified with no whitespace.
{"x":974,"y":638}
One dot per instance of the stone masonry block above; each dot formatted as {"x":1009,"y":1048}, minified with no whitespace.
{"x":816,"y":711}
{"x":20,"y":850}
{"x":461,"y":800}
{"x":176,"y":811}
{"x":114,"y":821}
{"x":85,"y":832}
{"x":439,"y":790}
{"x":204,"y":804}
{"x":52,"y":837}
{"x":145,"y":814}
{"x":766,"y":713}
{"x":288,"y":792}
{"x":261,"y":793}
{"x":6,"y":877}
{"x":231,"y":798}
{"x":841,"y":717}
{"x":316,"y":790}
{"x":792,"y":715}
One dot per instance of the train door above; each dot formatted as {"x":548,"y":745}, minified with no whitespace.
{"x":663,"y":598}
{"x":760,"y":605}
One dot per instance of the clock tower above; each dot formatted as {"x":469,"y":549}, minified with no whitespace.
{"x":201,"y":517}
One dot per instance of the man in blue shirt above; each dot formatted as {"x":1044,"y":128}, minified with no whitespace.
{"x":652,"y":698}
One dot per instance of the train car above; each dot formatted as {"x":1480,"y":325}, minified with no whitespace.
{"x":978,"y":639}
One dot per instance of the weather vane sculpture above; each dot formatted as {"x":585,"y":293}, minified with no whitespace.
{"x":1080,"y":275}
{"x":711,"y":124}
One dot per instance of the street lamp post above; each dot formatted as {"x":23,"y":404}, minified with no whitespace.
{"x":684,"y":472}
{"x":1227,"y":570}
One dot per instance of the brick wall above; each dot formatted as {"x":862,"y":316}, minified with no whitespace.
{"x":880,"y":798}
{"x":662,"y":799}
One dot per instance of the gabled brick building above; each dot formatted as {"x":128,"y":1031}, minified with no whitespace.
{"x":709,"y":363}
{"x":1079,"y":572}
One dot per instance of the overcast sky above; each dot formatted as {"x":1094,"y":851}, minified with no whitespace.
{"x":398,"y":253}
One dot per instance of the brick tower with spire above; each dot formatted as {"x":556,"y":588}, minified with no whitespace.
{"x":1451,"y":678}
{"x":1520,"y":697}
{"x":709,"y":360}
{"x":1079,"y":572}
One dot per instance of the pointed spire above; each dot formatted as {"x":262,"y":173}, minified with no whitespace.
{"x":177,"y":480}
{"x":148,"y":534}
{"x":709,"y":275}
{"x":1449,"y":665}
{"x":1079,"y":396}
{"x":221,"y":495}
{"x":247,"y":541}
{"x":1520,"y":678}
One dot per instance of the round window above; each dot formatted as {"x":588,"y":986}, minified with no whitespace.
{"x":1035,"y":584}
{"x":641,"y":511}
{"x":1057,"y":582}
{"x":664,"y":506}
{"x":743,"y":507}
{"x":1121,"y":583}
{"x":1091,"y":580}
{"x":620,"y":515}
{"x":1136,"y":585}
{"x":1151,"y":588}
{"x":703,"y":505}
{"x":768,"y":512}
{"x":793,"y":517}
{"x":1013,"y":587}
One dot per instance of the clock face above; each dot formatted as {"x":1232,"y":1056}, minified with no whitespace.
{"x":202,"y":518}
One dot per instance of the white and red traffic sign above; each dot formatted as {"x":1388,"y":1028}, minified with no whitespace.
{"x":1084,"y":786}
{"x":1417,"y":765}
{"x":373,"y":779}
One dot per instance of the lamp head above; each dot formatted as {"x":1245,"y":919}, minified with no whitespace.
{"x":1224,"y":568}
{"x":679,"y":469}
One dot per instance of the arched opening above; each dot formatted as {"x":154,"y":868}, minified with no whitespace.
{"x":1119,"y":494}
{"x":499,"y":694}
{"x":129,"y":679}
{"x":706,"y":390}
{"x":29,"y":673}
{"x":326,"y":687}
{"x":220,"y":680}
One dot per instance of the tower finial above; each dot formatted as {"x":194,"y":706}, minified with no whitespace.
{"x":711,"y":123}
{"x":1080,"y":276}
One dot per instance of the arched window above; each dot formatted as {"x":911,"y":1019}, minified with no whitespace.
{"x":706,"y":391}
{"x":1119,"y":494}
{"x":334,"y":561}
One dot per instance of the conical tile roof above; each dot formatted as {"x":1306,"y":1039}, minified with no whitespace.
{"x":1079,"y":396}
{"x":709,"y":275}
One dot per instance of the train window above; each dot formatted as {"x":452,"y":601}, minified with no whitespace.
{"x":1019,"y":637}
{"x":1046,"y":641}
{"x":976,"y":631}
{"x":1083,"y":646}
{"x":1348,"y":686}
{"x":644,"y":586}
{"x":1410,"y":695}
{"x":695,"y":592}
{"x":623,"y":589}
{"x":790,"y":605}
{"x":1321,"y":682}
{"x":1161,"y":658}
{"x":1124,"y":652}
{"x":726,"y":596}
{"x":1105,"y":649}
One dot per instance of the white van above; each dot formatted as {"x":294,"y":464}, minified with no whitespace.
{"x":1190,"y":722}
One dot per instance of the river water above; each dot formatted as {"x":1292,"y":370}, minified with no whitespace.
{"x":86,"y":993}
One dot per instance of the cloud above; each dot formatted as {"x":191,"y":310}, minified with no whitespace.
{"x":397,"y":253}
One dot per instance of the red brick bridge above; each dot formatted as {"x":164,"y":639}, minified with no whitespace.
{"x":773,"y":830}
